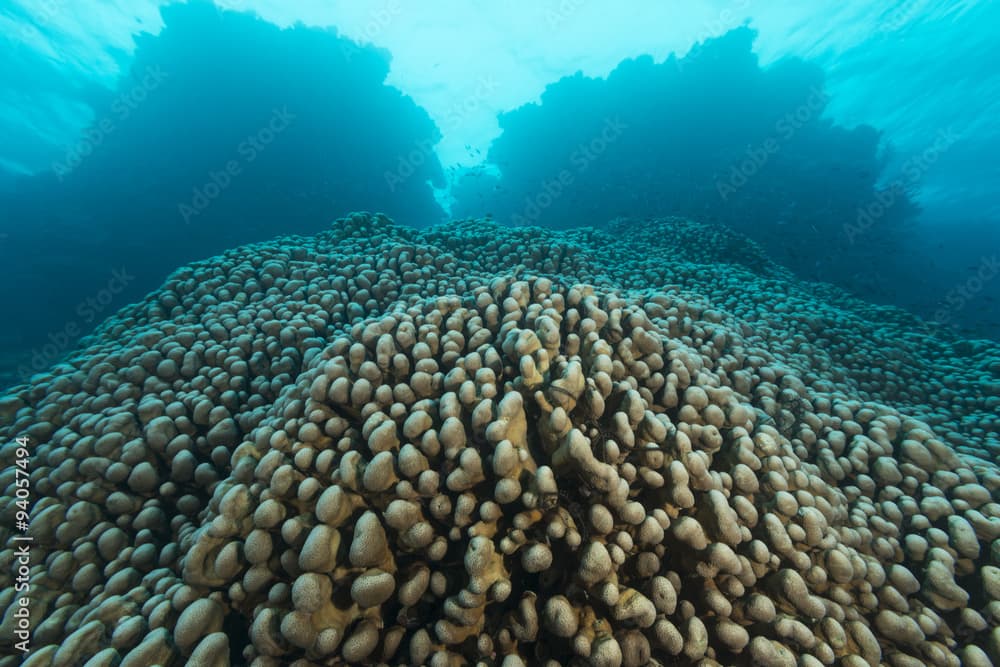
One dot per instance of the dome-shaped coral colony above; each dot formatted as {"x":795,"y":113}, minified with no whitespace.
{"x":479,"y":445}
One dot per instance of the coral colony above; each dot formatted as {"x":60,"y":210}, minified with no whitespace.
{"x":478,"y":445}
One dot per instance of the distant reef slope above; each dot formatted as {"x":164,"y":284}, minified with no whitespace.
{"x":382,"y":445}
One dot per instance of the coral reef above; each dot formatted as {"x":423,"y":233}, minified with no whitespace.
{"x":478,"y":445}
{"x":269,"y":159}
{"x":813,"y":192}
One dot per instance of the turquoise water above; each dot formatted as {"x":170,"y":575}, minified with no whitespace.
{"x":525,"y":334}
{"x":855,"y":145}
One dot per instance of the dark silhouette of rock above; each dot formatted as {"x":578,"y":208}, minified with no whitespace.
{"x":225,"y":130}
{"x":712,"y":136}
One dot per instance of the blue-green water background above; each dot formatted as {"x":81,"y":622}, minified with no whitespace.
{"x":226,"y":129}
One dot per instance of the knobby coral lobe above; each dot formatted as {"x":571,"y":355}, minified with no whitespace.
{"x":384,"y":445}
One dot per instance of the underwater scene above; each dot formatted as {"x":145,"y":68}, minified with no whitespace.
{"x":455,"y":333}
